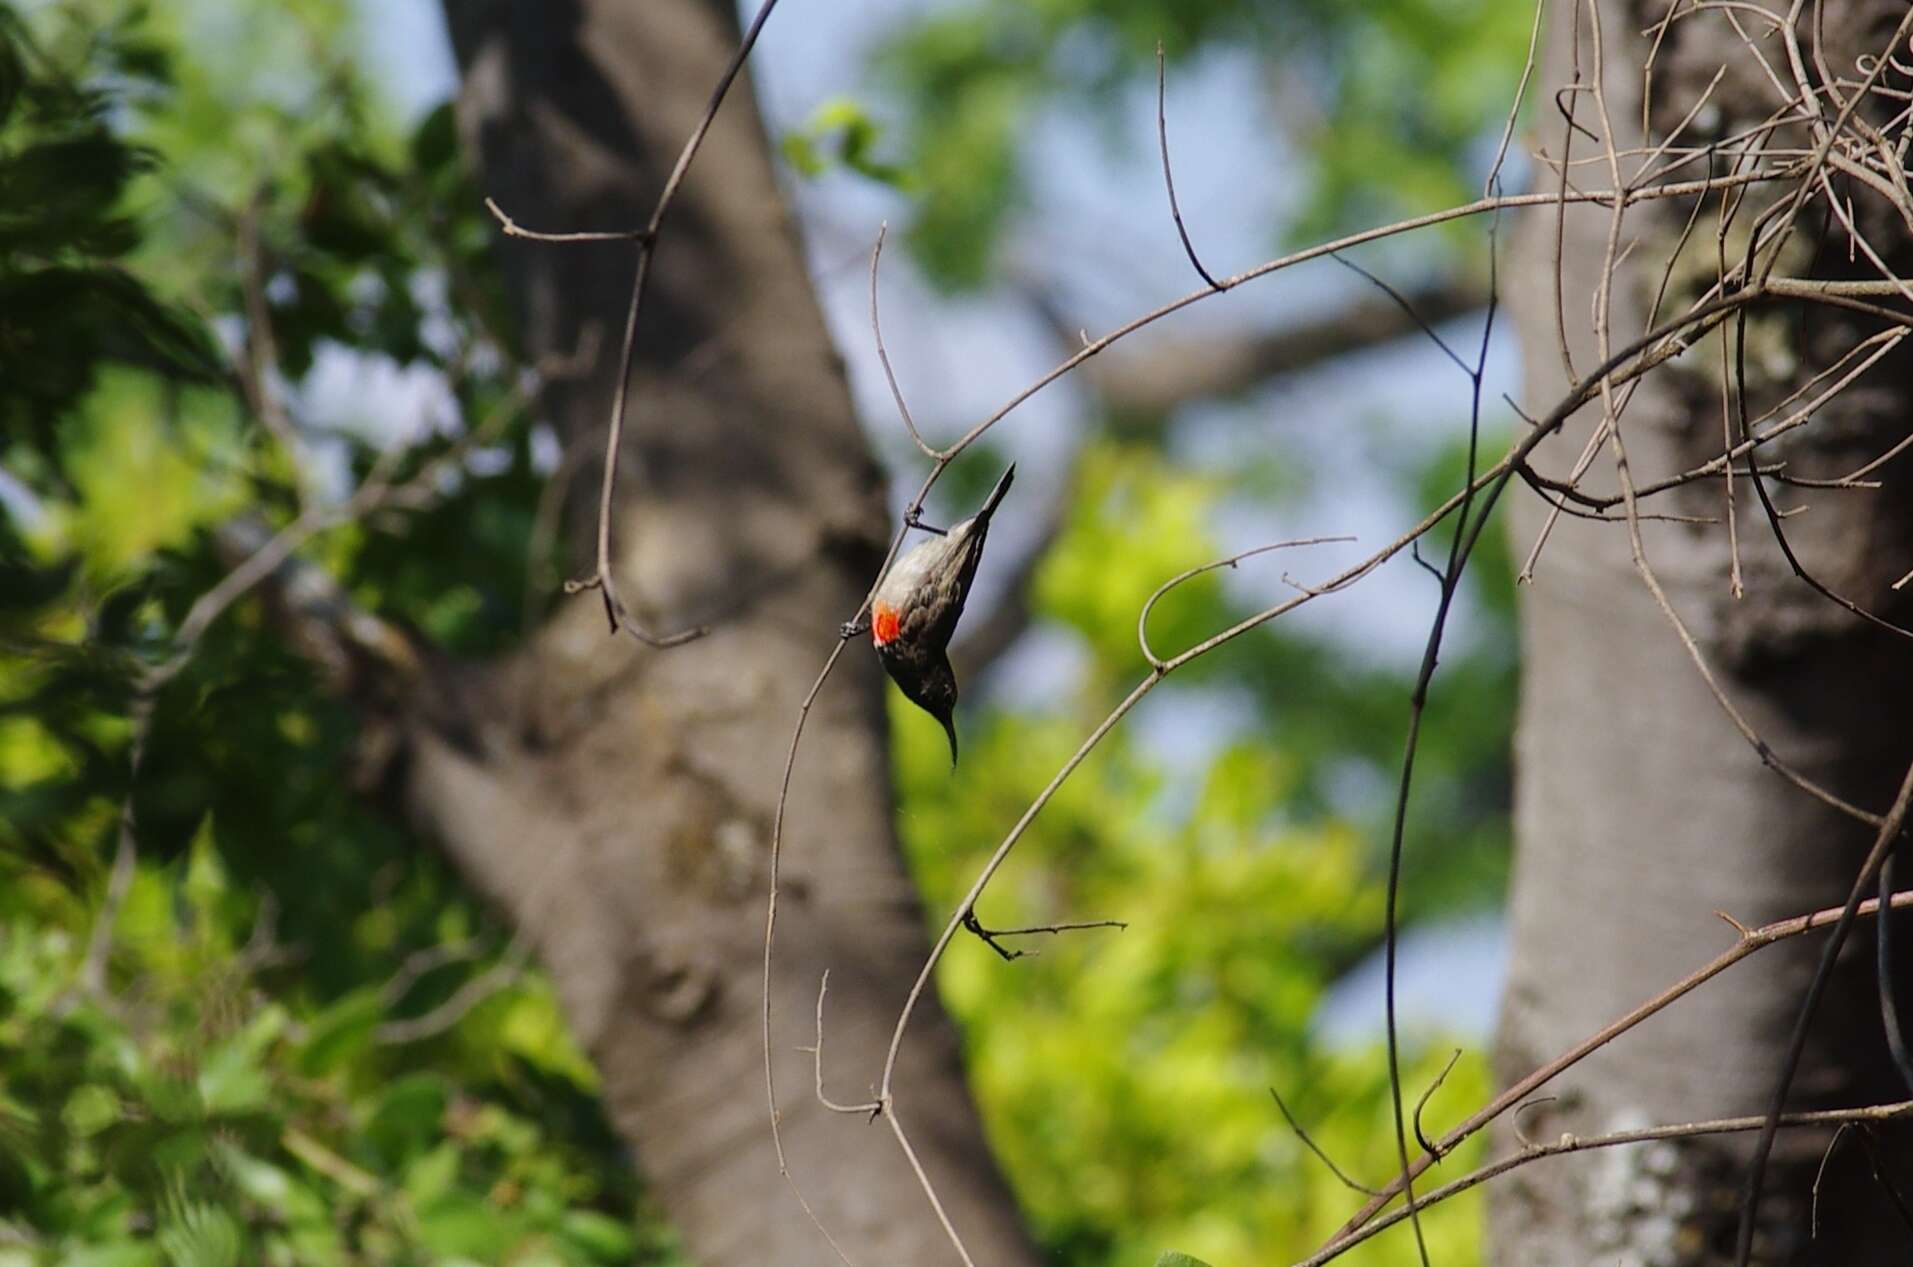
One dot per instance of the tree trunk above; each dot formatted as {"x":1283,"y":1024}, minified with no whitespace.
{"x":1640,"y":810}
{"x":617,"y":801}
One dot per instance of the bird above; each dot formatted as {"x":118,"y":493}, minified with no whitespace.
{"x":915,"y":610}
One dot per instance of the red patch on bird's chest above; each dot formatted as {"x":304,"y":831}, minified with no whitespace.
{"x":883,"y":624}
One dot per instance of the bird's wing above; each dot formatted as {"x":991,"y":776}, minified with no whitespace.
{"x":918,"y":626}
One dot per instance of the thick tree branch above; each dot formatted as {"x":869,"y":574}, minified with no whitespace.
{"x":1177,"y":372}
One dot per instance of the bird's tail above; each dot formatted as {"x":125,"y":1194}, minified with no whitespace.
{"x":996,"y":495}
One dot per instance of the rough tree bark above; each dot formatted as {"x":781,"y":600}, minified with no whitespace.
{"x":1639,"y":809}
{"x":617,"y":802}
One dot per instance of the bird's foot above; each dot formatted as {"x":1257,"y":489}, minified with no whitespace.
{"x":915,"y":520}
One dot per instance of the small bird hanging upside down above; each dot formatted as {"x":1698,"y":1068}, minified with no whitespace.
{"x":915,"y":611}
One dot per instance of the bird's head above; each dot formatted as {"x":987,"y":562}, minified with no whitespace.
{"x":934,"y":690}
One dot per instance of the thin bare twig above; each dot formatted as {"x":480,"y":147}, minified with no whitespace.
{"x":923,"y":1180}
{"x":1483,"y":206}
{"x":1421,"y":1136}
{"x":1354,"y":1236}
{"x":770,"y":940}
{"x":1493,"y":183}
{"x":1460,"y":547}
{"x":1520,"y":1092}
{"x":1401,"y":301}
{"x":883,"y":353}
{"x":817,"y":1060}
{"x":1888,"y":834}
{"x":1883,"y":968}
{"x":421,"y":963}
{"x":1739,"y":405}
{"x":1864,"y":1133}
{"x":499,"y":977}
{"x":1315,"y":1148}
{"x":1169,"y":180}
{"x":512,"y":229}
{"x":1149,"y":604}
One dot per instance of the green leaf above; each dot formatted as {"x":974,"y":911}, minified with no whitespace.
{"x":340,"y":1034}
{"x":462,"y":1224}
{"x":842,"y":129}
{"x":201,"y":1235}
{"x":205,"y":885}
{"x":1175,"y":1258}
{"x":531,"y":1026}
{"x":90,"y":1109}
{"x":605,"y":1238}
{"x":257,"y":1180}
{"x":435,"y":140}
{"x":127,"y":1255}
{"x":233,"y":1079}
{"x":800,"y":151}
{"x":431,"y":1176}
{"x":409,"y":1118}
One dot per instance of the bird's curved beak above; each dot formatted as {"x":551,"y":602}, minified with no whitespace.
{"x":949,"y":728}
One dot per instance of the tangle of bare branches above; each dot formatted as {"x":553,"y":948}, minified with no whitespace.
{"x":1814,"y":135}
{"x":1739,"y":287}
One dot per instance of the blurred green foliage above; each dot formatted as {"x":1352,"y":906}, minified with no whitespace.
{"x":231,"y":1080}
{"x":1125,"y":1074}
{"x":841,"y":131}
{"x":1387,"y":108}
{"x":203,"y":1113}
{"x":233,"y":1087}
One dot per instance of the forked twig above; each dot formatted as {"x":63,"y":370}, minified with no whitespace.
{"x":817,"y":1059}
{"x":1421,"y":1136}
{"x":988,"y":936}
{"x":1890,"y":828}
{"x":1353,"y":1236}
{"x":602,"y":579}
{"x":1521,"y":1091}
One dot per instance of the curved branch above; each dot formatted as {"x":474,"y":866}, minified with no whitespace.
{"x":883,"y":353}
{"x":1579,"y":1144}
{"x":1169,"y":180}
{"x":1750,"y":942}
{"x":1162,"y":665}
